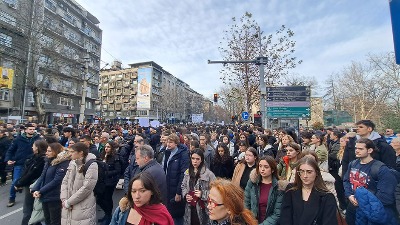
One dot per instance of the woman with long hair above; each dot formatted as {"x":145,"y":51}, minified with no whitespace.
{"x":222,"y":165}
{"x":230,"y":144}
{"x":105,"y":201}
{"x":142,"y":205}
{"x":264,"y":147}
{"x":262,"y":195}
{"x":32,"y":169}
{"x":283,"y":142}
{"x":48,"y":186}
{"x":195,"y":188}
{"x":77,"y":197}
{"x":225,"y":204}
{"x":244,"y":167}
{"x":289,"y":162}
{"x":307,"y":201}
{"x":321,"y":150}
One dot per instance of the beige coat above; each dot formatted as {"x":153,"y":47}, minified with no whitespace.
{"x":77,"y":190}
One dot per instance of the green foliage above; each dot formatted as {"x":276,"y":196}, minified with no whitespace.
{"x":392,"y":121}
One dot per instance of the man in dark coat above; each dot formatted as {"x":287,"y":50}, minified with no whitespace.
{"x":19,"y":151}
{"x":175,"y":163}
{"x":146,"y":162}
{"x":154,"y":138}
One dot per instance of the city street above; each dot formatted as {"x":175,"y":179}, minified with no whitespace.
{"x":13,"y":215}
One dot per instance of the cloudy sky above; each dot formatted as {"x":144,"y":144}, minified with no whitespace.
{"x":181,"y":35}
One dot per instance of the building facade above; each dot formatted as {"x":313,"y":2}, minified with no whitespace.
{"x":146,"y":90}
{"x":62,"y":49}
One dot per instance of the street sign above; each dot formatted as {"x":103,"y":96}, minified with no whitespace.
{"x":395,"y":13}
{"x":245,"y":115}
{"x":288,"y":93}
{"x":301,"y":110}
{"x":288,"y":115}
{"x":288,"y":104}
{"x":288,"y":99}
{"x":288,"y":88}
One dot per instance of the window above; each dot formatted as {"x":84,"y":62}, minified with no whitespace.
{"x":142,"y":112}
{"x":30,"y":97}
{"x":4,"y":95}
{"x":50,"y":5}
{"x":5,"y":40}
{"x":65,"y":101}
{"x":45,"y":99}
{"x":8,"y":18}
{"x":89,"y":105}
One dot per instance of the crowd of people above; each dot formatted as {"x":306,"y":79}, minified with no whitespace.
{"x":202,"y":174}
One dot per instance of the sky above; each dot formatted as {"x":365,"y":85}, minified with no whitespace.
{"x":181,"y":35}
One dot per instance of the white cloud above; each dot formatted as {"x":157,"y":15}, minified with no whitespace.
{"x":182,"y":35}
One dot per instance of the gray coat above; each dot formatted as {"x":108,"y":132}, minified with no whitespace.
{"x":77,"y":190}
{"x":202,"y":184}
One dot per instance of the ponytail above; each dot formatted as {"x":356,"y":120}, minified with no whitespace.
{"x":83,"y":165}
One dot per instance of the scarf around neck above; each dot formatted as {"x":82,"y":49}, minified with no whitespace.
{"x":156,"y":213}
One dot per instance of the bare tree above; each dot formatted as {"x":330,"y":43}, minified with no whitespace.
{"x":241,"y":42}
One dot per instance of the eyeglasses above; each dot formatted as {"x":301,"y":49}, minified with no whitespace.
{"x":304,"y":172}
{"x":212,"y":203}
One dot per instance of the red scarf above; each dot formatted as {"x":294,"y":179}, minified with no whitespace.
{"x":156,"y":213}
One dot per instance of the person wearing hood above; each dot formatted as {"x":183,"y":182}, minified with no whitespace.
{"x":19,"y":151}
{"x":146,"y":162}
{"x":77,"y":197}
{"x":32,"y":169}
{"x":48,"y":186}
{"x":262,"y":195}
{"x":384,"y":152}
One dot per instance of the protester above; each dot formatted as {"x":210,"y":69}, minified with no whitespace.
{"x":5,"y":143}
{"x":243,"y":168}
{"x":289,"y":162}
{"x":105,"y":201}
{"x":195,"y":189}
{"x":19,"y":151}
{"x":32,"y":169}
{"x":262,"y":195}
{"x":223,"y":163}
{"x":77,"y":197}
{"x":264,"y":147}
{"x":317,"y":141}
{"x":48,"y":186}
{"x":307,"y":200}
{"x":142,"y":205}
{"x":225,"y":204}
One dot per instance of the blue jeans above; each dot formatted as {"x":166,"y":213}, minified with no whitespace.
{"x":16,"y":176}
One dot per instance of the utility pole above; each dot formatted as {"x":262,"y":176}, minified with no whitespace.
{"x":260,"y":61}
{"x":84,"y":87}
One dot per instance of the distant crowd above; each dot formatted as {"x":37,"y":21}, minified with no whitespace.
{"x":202,"y":174}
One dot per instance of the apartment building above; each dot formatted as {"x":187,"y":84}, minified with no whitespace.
{"x":63,"y":45}
{"x":146,"y":90}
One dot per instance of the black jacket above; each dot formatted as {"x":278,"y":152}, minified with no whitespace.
{"x":158,"y":174}
{"x":5,"y":143}
{"x":295,"y":211}
{"x":33,"y":168}
{"x":223,"y":169}
{"x":114,"y":170}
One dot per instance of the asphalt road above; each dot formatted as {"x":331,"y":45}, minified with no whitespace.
{"x":13,"y":215}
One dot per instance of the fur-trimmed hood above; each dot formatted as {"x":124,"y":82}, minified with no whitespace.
{"x":61,"y":157}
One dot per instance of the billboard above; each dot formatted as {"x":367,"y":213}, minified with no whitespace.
{"x":6,"y":79}
{"x":144,"y":88}
{"x":197,"y":118}
{"x":395,"y":14}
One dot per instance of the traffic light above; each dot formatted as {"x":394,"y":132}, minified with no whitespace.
{"x":215,"y":98}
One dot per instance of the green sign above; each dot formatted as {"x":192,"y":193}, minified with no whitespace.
{"x":288,"y":112}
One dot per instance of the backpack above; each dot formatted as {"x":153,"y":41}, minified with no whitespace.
{"x":102,"y":168}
